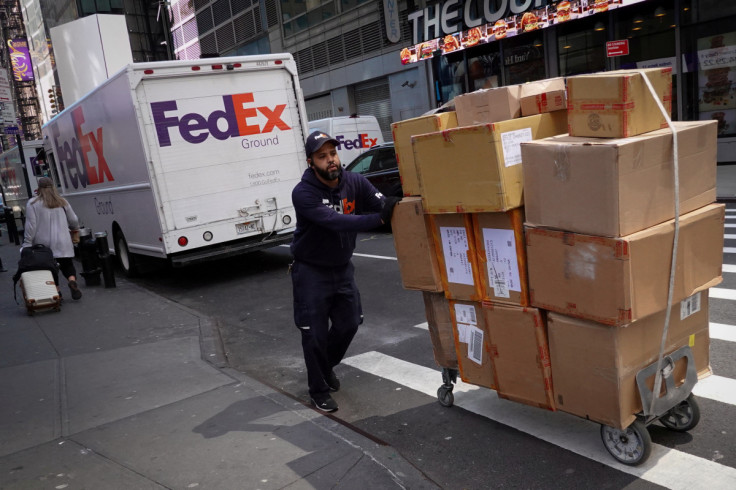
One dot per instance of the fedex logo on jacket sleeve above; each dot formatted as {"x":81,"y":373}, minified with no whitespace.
{"x":241,"y":117}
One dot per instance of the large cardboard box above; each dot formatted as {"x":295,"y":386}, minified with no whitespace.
{"x":520,"y":354}
{"x":403,"y":131}
{"x":620,"y":186}
{"x":477,"y":169}
{"x":594,"y":366}
{"x":455,"y":245}
{"x":437,"y":308}
{"x":616,"y":281}
{"x":618,"y":104}
{"x":501,"y":256}
{"x":472,"y":344}
{"x":488,"y":105}
{"x":543,"y":96}
{"x":415,"y":247}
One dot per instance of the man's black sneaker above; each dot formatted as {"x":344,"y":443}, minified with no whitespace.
{"x":76,"y":293}
{"x":324,"y":402}
{"x":332,"y":381}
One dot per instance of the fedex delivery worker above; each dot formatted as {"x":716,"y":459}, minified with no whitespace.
{"x":332,"y":206}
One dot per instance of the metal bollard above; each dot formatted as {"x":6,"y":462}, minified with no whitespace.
{"x":91,"y":269}
{"x":103,"y":253}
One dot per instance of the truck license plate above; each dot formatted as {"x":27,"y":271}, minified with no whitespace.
{"x":241,"y":228}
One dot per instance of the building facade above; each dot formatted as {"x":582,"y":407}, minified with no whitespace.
{"x":388,"y":58}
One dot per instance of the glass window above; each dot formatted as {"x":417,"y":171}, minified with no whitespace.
{"x":581,"y":46}
{"x":484,"y":67}
{"x":88,"y":7}
{"x":524,"y":58}
{"x":385,"y":160}
{"x":702,"y":10}
{"x":709,"y":50}
{"x":349,"y":4}
{"x":362,"y":163}
{"x":103,"y":5}
{"x":450,"y":76}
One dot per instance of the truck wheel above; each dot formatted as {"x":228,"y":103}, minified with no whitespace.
{"x":126,"y":259}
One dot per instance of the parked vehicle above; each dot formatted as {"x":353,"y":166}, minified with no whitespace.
{"x":185,"y":160}
{"x":380,"y":167}
{"x":356,"y":134}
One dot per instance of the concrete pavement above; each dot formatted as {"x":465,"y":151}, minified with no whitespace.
{"x":126,"y":389}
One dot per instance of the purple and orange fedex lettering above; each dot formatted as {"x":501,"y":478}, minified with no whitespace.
{"x":363,"y":141}
{"x":195,"y":128}
{"x":74,"y":160}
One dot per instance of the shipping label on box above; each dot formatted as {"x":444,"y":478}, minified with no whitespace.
{"x":471,"y":344}
{"x":501,"y":254}
{"x":620,"y":186}
{"x":594,"y":366}
{"x":415,"y":248}
{"x":520,"y":354}
{"x":477,"y":168}
{"x":455,"y":245}
{"x":439,"y":323}
{"x":616,"y":281}
{"x":618,"y":104}
{"x":403,"y":131}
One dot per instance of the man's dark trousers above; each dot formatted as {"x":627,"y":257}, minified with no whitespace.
{"x":327,"y":311}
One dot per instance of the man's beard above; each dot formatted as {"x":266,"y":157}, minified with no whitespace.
{"x":327,"y":175}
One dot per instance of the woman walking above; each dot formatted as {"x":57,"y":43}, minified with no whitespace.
{"x":49,"y":219}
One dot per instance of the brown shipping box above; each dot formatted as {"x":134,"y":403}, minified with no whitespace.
{"x":477,"y":169}
{"x":618,"y":104}
{"x":415,"y":247}
{"x":403,"y":131}
{"x":594,"y":367}
{"x":437,"y":308}
{"x":472,"y":344}
{"x":620,"y":186}
{"x":543,"y":96}
{"x":488,"y":105}
{"x":455,"y":246}
{"x":616,"y":281}
{"x":501,"y":256}
{"x":520,"y":354}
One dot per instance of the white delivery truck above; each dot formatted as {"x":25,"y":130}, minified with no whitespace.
{"x":185,"y":160}
{"x":356,"y":134}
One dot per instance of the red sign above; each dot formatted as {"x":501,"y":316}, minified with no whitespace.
{"x":617,"y":48}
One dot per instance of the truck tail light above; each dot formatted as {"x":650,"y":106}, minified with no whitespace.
{"x":183,"y":241}
{"x":148,"y":72}
{"x":217,"y":67}
{"x":207,"y":236}
{"x":286,"y":219}
{"x":195,"y":68}
{"x":278,"y":62}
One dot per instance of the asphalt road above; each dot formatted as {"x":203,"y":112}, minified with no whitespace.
{"x":389,"y":380}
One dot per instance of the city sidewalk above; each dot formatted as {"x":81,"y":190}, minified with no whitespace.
{"x":126,"y":389}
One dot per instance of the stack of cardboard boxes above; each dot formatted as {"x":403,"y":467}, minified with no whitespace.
{"x":460,"y":236}
{"x":547,"y":280}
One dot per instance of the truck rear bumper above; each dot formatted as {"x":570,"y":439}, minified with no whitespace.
{"x":229,"y":249}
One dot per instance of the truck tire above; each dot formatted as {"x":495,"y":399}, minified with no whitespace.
{"x":128,"y":262}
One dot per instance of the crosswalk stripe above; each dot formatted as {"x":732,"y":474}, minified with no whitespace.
{"x":722,"y":331}
{"x":729,"y":237}
{"x":729,"y":250}
{"x":728,"y":225}
{"x":729,"y":268}
{"x":722,"y":293}
{"x":717,"y":388}
{"x":667,"y":467}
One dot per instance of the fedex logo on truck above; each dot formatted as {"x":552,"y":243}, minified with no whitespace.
{"x":363,"y":141}
{"x":77,"y":168}
{"x":238,"y":114}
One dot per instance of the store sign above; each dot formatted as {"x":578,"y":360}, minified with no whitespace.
{"x":391,"y":16}
{"x":452,"y":25}
{"x":617,"y":48}
{"x":20,"y":58}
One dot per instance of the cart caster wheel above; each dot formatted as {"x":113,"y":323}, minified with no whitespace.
{"x":631,"y":446}
{"x":445,"y":396}
{"x":683,"y":417}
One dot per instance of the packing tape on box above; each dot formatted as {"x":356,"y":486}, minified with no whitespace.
{"x":562,"y":163}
